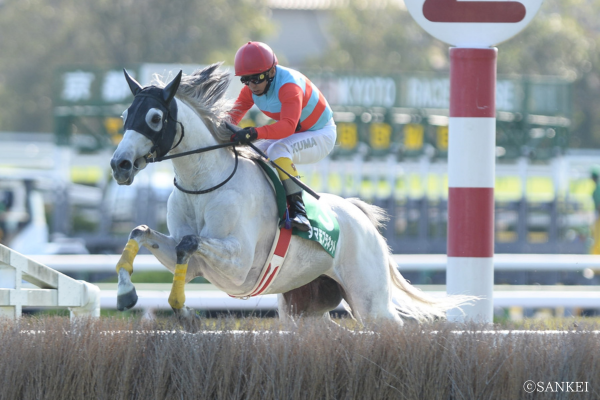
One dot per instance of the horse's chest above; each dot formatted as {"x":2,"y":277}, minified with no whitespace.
{"x":197,"y":221}
{"x":193,"y":217}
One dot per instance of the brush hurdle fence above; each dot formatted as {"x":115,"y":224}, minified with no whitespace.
{"x":49,"y":288}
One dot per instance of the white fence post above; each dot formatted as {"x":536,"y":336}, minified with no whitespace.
{"x":54,"y":288}
{"x":8,"y":279}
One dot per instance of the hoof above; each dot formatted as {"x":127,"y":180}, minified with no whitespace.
{"x":127,"y":300}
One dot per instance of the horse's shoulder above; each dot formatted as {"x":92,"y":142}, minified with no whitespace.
{"x":256,"y":170}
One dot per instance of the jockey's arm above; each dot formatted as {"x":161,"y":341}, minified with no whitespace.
{"x":291,"y":97}
{"x":241,"y":106}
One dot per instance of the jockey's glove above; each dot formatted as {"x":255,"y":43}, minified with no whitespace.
{"x":245,"y":135}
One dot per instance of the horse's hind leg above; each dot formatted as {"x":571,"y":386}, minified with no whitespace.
{"x":314,"y":299}
{"x":163,"y":248}
{"x":367,"y":289}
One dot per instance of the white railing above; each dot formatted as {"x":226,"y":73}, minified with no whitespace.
{"x":406,"y":262}
{"x":505,"y":262}
{"x":207,"y":297}
{"x":50,"y":288}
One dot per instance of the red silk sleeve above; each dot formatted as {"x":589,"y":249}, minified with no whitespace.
{"x":291,"y":96}
{"x":241,"y":106}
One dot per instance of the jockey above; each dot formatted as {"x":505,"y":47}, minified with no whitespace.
{"x":304,"y":132}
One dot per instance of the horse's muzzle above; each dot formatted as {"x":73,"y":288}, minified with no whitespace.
{"x":123,"y":170}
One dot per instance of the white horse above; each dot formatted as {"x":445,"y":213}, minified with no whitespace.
{"x":225,"y":234}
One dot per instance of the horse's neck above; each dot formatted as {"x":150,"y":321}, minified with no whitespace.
{"x":198,"y":171}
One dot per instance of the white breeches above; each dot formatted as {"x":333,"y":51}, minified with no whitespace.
{"x":302,"y":148}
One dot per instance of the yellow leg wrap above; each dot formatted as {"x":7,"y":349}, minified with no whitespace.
{"x":129,"y":252}
{"x":288,"y":166}
{"x":177,"y":296}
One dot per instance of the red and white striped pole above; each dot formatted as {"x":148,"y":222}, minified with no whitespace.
{"x":471,"y":176}
{"x":472,"y":26}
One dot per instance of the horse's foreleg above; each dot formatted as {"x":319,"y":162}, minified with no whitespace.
{"x":161,"y":246}
{"x":222,"y":253}
{"x":184,"y":250}
{"x":126,"y":295}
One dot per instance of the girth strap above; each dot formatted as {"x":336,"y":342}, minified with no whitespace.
{"x":272,"y":267}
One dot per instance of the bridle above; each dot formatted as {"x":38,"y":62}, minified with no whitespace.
{"x":156,"y":146}
{"x":164,"y":139}
{"x":152,"y":158}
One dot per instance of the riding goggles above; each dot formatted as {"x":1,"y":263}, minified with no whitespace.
{"x":255,"y":79}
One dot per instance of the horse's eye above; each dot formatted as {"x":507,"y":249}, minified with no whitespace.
{"x":154,"y":119}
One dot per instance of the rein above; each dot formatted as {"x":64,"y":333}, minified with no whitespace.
{"x":214,"y":187}
{"x":197,"y":151}
{"x":187,"y":153}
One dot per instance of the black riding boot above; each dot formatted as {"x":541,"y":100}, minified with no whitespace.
{"x":297,"y":212}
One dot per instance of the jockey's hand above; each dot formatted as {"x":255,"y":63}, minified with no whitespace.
{"x":245,"y":135}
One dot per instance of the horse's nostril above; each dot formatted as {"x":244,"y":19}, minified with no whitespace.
{"x":125,"y":165}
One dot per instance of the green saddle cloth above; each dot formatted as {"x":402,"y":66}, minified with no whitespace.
{"x":325,"y":228}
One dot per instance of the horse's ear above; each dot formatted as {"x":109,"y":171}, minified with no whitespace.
{"x":133,"y":84}
{"x":170,"y":90}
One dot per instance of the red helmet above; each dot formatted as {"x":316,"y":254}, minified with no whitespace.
{"x":254,"y":58}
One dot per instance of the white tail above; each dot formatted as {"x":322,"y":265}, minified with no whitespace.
{"x":410,"y":301}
